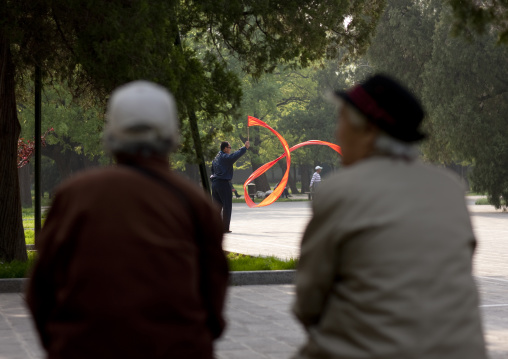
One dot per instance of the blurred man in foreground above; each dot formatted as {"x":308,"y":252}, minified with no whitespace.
{"x":385,"y":267}
{"x":130,"y":258}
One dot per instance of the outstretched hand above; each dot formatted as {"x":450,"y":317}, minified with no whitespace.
{"x":247,"y":144}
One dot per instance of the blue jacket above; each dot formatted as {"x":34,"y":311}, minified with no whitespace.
{"x":222,"y":165}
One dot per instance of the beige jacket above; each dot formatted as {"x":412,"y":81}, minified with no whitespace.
{"x":385,"y":268}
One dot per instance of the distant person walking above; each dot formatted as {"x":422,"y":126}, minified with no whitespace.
{"x":130,"y":262}
{"x":222,"y":174}
{"x":315,"y":181}
{"x":386,"y":260}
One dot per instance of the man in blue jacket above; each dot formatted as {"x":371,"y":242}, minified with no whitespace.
{"x":222,"y":173}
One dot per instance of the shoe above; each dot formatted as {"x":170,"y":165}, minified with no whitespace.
{"x":228,"y":231}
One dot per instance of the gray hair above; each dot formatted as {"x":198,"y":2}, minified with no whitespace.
{"x":141,"y":118}
{"x":151,"y":145}
{"x":385,"y":144}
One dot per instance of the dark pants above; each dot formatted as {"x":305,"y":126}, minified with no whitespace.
{"x":222,"y":195}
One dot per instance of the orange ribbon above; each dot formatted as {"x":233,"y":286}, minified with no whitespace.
{"x":277,"y":192}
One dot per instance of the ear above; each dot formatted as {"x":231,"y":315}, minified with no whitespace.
{"x":371,"y":132}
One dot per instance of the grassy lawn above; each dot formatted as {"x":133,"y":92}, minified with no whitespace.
{"x":29,"y":224}
{"x":16,"y":269}
{"x":474,"y":194}
{"x":237,"y":262}
{"x":240,"y":262}
{"x":484,"y":201}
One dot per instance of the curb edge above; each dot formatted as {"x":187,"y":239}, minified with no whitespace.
{"x":268,"y":277}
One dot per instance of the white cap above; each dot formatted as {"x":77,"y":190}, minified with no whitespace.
{"x":141,"y":113}
{"x":319,"y":168}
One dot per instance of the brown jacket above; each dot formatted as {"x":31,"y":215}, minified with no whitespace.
{"x":129,"y":268}
{"x":385,"y":267}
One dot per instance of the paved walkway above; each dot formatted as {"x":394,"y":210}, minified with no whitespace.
{"x":260,"y":322}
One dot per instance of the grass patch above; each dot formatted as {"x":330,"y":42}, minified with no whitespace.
{"x":240,"y":262}
{"x":17,"y":269}
{"x":474,"y":194}
{"x":29,"y":224}
{"x":29,"y":236}
{"x":485,"y":201}
{"x":237,"y":263}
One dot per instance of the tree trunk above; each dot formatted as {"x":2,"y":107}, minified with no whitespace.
{"x":293,"y":180}
{"x":205,"y":183}
{"x":306,"y":172}
{"x":261,"y":182}
{"x":12,"y":235}
{"x":292,"y":183}
{"x":67,"y":161}
{"x":25,"y":186}
{"x":192,"y":170}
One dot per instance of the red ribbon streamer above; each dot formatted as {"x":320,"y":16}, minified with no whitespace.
{"x":252,"y":121}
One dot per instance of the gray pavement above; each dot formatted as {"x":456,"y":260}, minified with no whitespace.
{"x":273,"y":230}
{"x":260,"y":322}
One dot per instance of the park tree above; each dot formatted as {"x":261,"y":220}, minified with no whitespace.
{"x":313,"y":116}
{"x":262,"y":97}
{"x":94,"y":46}
{"x":466,"y":93}
{"x":75,"y":141}
{"x":459,"y":80}
{"x":73,"y":144}
{"x":292,"y":101}
{"x":403,"y":43}
{"x":472,"y":17}
{"x":402,"y":47}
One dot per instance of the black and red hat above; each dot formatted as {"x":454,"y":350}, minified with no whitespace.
{"x":387,"y":105}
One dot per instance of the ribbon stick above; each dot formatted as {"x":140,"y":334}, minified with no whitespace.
{"x":277,"y":192}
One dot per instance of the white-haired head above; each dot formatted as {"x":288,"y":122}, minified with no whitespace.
{"x":141,"y":118}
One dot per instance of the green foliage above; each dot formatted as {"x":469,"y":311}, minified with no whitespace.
{"x":402,"y":47}
{"x":117,"y":43}
{"x":264,"y":33}
{"x":181,"y":45}
{"x":76,"y":127}
{"x":479,"y":17}
{"x":18,"y":269}
{"x":240,"y":262}
{"x":94,"y":46}
{"x":461,"y":84}
{"x":311,"y":116}
{"x":471,"y":123}
{"x":294,"y":103}
{"x":403,"y":41}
